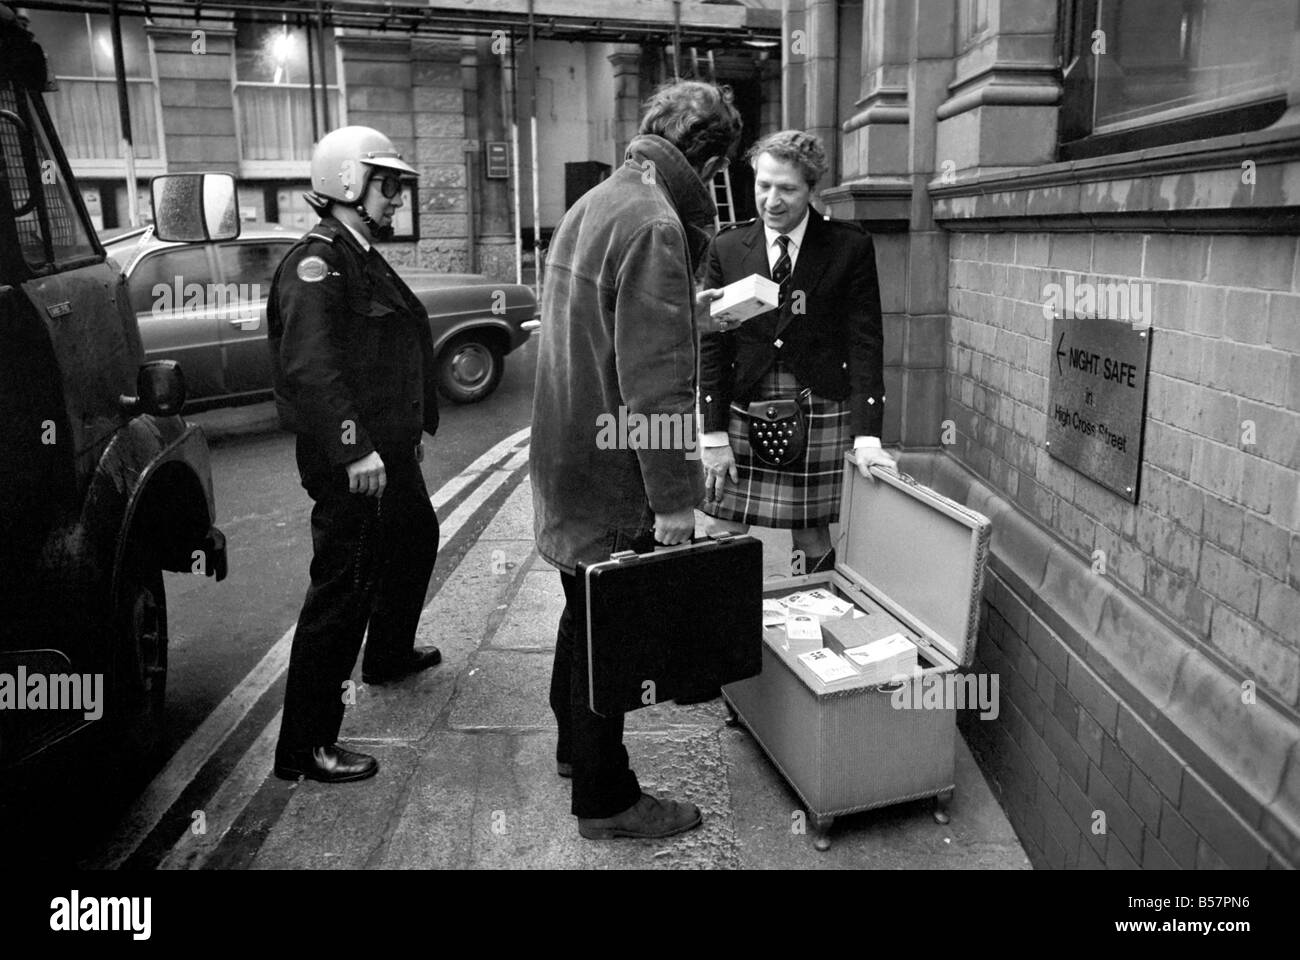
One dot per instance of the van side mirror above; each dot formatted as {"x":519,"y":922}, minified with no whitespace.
{"x":160,"y":390}
{"x":195,"y":207}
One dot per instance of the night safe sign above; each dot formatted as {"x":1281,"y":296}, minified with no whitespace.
{"x":1096,"y":399}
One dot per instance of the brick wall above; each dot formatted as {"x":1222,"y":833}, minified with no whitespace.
{"x":1213,"y":542}
{"x":1212,"y":547}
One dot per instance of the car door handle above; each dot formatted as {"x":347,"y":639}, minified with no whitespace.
{"x":243,"y":323}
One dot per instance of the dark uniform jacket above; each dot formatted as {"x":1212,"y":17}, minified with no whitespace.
{"x":351,"y":350}
{"x":618,"y":332}
{"x":835,"y":347}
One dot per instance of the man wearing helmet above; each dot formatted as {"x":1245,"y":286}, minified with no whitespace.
{"x":353,"y":364}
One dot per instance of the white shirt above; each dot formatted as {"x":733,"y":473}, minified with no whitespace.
{"x":796,"y":241}
{"x":718,"y":438}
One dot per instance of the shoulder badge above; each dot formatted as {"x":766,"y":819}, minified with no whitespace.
{"x":312,"y":269}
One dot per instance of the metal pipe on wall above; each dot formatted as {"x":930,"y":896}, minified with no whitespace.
{"x":311,"y":84}
{"x":124,"y":115}
{"x":532,"y":126}
{"x":511,"y":83}
{"x":325,"y":123}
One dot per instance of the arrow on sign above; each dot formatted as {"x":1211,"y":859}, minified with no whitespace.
{"x":1059,"y":354}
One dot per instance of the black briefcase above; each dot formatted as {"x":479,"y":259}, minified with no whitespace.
{"x":677,"y":619}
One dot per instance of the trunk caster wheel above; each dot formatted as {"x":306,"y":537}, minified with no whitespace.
{"x":941,"y":802}
{"x":733,"y":719}
{"x":822,"y":832}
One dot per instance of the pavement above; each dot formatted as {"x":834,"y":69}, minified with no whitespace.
{"x":467,"y":776}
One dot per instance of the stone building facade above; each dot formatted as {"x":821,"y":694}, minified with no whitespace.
{"x":235,"y":94}
{"x":1148,"y":650}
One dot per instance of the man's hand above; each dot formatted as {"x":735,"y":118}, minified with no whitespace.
{"x":719,"y":463}
{"x":675,"y":528}
{"x":367,"y":475}
{"x":867,"y":457}
{"x":704,"y":321}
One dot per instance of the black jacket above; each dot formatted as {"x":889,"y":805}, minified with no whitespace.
{"x":351,"y":350}
{"x":834,"y":346}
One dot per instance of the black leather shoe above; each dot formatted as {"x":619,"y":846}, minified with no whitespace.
{"x":417,"y":661}
{"x":326,"y":764}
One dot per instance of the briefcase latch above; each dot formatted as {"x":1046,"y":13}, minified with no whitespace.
{"x":623,"y":555}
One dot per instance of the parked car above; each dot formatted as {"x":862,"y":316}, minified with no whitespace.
{"x":204,"y":304}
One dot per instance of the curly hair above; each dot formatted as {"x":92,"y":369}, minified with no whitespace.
{"x":697,"y":118}
{"x":803,"y":150}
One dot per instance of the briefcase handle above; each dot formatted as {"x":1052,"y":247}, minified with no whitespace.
{"x":664,"y":548}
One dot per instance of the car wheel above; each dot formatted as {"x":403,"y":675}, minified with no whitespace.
{"x":469,"y":368}
{"x":140,"y":674}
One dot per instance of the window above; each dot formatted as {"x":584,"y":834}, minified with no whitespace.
{"x":273,"y":65}
{"x":1141,"y":73}
{"x":50,"y":230}
{"x":80,"y":51}
{"x":251,"y":263}
{"x":176,"y":270}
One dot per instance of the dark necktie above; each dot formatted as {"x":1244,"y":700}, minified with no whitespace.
{"x":781,"y":272}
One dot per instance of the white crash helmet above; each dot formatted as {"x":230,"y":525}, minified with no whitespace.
{"x":344,"y":159}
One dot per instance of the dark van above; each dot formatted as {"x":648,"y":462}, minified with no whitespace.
{"x":102,"y":485}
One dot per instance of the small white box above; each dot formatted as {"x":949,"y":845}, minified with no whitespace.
{"x":883,"y":660}
{"x":746,"y":298}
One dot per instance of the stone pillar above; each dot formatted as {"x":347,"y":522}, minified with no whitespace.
{"x":821,"y":73}
{"x":495,"y":230}
{"x":1001,"y":109}
{"x":923,"y":379}
{"x":889,"y":159}
{"x":626,"y":59}
{"x":439,"y":107}
{"x":769,"y":71}
{"x":794,"y":59}
{"x":876,"y":135}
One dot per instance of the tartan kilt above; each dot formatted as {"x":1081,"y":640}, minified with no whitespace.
{"x":807,"y":492}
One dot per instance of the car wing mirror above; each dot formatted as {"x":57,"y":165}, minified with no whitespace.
{"x":160,"y":390}
{"x":195,"y":207}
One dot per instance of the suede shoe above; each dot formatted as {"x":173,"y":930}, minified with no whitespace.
{"x":647,"y":819}
{"x":327,"y":764}
{"x":416,"y":661}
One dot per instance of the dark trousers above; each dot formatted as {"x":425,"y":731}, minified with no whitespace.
{"x":603,"y":783}
{"x":372,"y":561}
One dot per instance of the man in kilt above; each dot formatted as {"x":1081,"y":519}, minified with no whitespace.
{"x":824,"y":337}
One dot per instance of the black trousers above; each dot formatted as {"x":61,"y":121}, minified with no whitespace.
{"x":371,"y":565}
{"x":603,"y":783}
